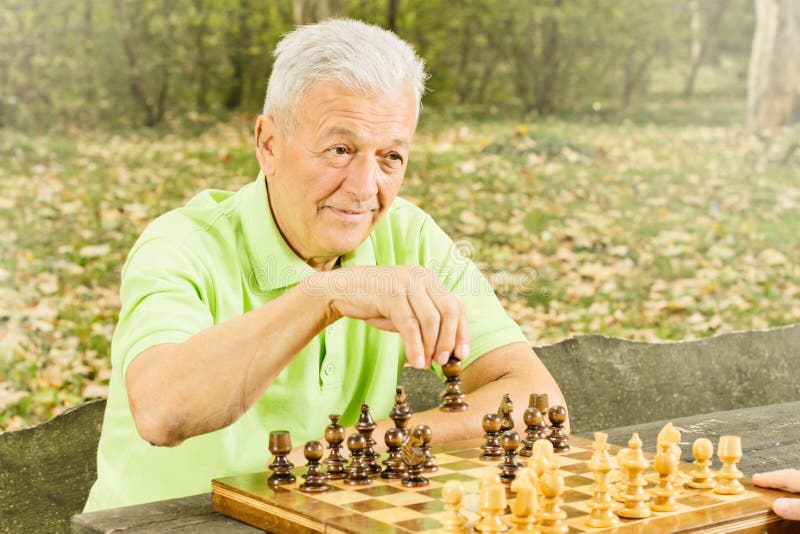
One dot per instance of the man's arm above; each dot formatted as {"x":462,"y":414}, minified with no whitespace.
{"x":181,"y":390}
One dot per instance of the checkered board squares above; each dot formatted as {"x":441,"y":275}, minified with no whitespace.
{"x":389,"y":507}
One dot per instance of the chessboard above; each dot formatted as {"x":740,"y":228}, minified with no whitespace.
{"x":389,"y":507}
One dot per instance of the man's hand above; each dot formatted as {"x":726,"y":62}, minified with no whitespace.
{"x":410,"y":300}
{"x":783,"y":479}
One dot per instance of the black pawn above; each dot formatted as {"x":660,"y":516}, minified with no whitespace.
{"x":366,"y":426}
{"x":357,"y":474}
{"x":453,"y":396}
{"x":393,"y":465}
{"x":428,"y":466}
{"x":558,"y":436}
{"x":492,"y":428}
{"x":509,"y":468}
{"x":401,"y":412}
{"x":535,"y":430}
{"x":334,"y":435}
{"x":280,"y":445}
{"x":315,"y":478}
{"x":504,"y":411}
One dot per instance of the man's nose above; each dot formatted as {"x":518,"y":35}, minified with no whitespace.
{"x":362,"y":177}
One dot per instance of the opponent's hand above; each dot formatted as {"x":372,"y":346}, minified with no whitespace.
{"x":783,"y":479}
{"x":410,"y":300}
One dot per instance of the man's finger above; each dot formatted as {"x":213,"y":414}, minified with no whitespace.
{"x":786,"y":479}
{"x":408,"y":327}
{"x":462,"y":335}
{"x":429,"y":320}
{"x":787,"y":508}
{"x":448,"y":326}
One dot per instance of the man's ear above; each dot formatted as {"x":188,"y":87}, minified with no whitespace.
{"x":265,"y":142}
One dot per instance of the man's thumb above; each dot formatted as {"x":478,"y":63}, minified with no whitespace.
{"x":787,"y":508}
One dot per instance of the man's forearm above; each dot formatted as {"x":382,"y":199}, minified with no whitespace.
{"x":207,"y":382}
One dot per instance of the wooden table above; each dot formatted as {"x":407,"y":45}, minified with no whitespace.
{"x":770,"y":439}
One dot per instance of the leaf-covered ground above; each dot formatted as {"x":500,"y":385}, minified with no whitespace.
{"x":660,"y":226}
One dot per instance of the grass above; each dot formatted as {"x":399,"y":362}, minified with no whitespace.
{"x":661,"y":223}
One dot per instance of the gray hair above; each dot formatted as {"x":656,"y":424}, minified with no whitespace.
{"x":362,"y":57}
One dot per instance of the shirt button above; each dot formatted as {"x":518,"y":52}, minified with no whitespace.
{"x":329,"y":370}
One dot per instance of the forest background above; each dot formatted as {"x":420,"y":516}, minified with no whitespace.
{"x":626,"y":168}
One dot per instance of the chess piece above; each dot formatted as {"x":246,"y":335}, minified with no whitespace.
{"x":540,"y":402}
{"x":315,"y":478}
{"x":334,"y":435}
{"x":366,"y":426}
{"x":356,"y":473}
{"x":633,"y":464}
{"x":729,"y":452}
{"x":542,"y":457}
{"x":509,"y":442}
{"x":280,"y":445}
{"x":601,"y":513}
{"x":524,"y":508}
{"x":453,"y":396}
{"x":394,"y":467}
{"x":452,"y":495}
{"x":666,"y":465}
{"x":552,"y":517}
{"x":558,"y":435}
{"x":414,"y":458}
{"x":491,"y":505}
{"x":492,"y":428}
{"x":534,"y":429}
{"x":668,"y":440}
{"x":619,"y":489}
{"x":401,"y":412}
{"x":428,"y":466}
{"x":702,"y":475}
{"x":504,"y":411}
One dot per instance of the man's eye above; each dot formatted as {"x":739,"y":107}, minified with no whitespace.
{"x":338,"y":150}
{"x":394,"y":156}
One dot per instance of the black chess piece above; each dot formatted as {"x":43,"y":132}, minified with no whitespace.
{"x":394,"y":467}
{"x":509,"y":442}
{"x":334,"y":435}
{"x":280,"y":445}
{"x":453,"y":396}
{"x":535,"y":430}
{"x":540,"y":402}
{"x":558,"y":436}
{"x":414,"y":458}
{"x":315,"y":478}
{"x":357,"y":474}
{"x":492,"y":429}
{"x":401,"y":412}
{"x":505,"y":410}
{"x":428,"y":466}
{"x":366,"y":426}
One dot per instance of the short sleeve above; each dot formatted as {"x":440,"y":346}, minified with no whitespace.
{"x":490,"y":326}
{"x":163,"y":299}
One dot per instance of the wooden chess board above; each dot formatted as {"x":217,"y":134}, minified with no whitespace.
{"x":389,"y":507}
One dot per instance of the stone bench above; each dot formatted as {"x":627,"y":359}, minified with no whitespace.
{"x":46,"y":471}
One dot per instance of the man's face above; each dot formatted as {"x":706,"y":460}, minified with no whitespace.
{"x":332,"y":178}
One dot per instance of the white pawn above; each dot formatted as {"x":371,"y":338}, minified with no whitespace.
{"x":452,"y":495}
{"x":729,"y":452}
{"x":525,"y":505}
{"x":702,"y":475}
{"x":552,"y":516}
{"x":666,"y":465}
{"x":492,"y":505}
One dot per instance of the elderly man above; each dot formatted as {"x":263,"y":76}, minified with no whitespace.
{"x":302,"y":294}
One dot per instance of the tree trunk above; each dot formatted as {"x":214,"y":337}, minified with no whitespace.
{"x":391,"y":15}
{"x":310,"y":11}
{"x":701,"y":45}
{"x":773,"y":76}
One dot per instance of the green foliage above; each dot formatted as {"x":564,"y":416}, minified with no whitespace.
{"x":132,"y":62}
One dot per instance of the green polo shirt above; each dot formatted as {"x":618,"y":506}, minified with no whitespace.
{"x":221,"y":255}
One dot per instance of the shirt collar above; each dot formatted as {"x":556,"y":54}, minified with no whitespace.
{"x":273,"y":264}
